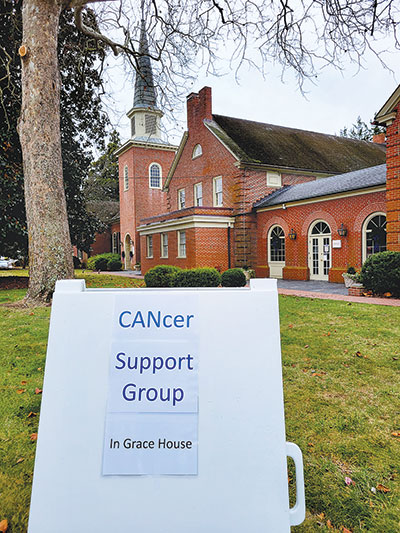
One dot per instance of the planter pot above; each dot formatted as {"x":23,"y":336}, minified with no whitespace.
{"x":349,"y":281}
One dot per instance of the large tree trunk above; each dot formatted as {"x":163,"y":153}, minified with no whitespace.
{"x":50,"y":250}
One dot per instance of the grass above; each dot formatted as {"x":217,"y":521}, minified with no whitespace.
{"x":341,"y":370}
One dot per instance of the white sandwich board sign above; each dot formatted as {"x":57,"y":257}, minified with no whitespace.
{"x":162,"y":411}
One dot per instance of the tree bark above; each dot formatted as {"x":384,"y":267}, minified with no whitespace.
{"x":50,"y":250}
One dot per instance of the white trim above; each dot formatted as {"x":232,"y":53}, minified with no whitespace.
{"x":199,"y":149}
{"x":194,"y":221}
{"x":142,"y":144}
{"x":216,"y":136}
{"x":326,"y":198}
{"x":196,"y":186}
{"x":148,"y":237}
{"x":270,"y":179}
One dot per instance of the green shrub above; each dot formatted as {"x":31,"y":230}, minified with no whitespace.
{"x":114,"y":265}
{"x":161,"y":276}
{"x":233,"y":277}
{"x":381,"y":273}
{"x":101,"y":261}
{"x":198,"y":277}
{"x":351,"y":270}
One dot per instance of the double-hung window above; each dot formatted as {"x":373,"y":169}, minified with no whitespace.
{"x":164,"y":244}
{"x":149,"y":245}
{"x":181,"y":243}
{"x":198,"y":194}
{"x":217,"y":191}
{"x":181,"y":199}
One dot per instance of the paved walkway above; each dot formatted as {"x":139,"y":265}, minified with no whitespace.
{"x":328,"y":291}
{"x":307,"y":289}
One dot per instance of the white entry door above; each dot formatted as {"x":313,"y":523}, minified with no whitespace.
{"x":319,"y":251}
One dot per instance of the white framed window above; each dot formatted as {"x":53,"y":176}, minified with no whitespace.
{"x":374,"y":235}
{"x":116,"y":242}
{"x":198,"y":194}
{"x":197,"y":151}
{"x":181,"y":199}
{"x":276,"y":244}
{"x":274,"y":179}
{"x":155,"y":176}
{"x":126,"y":178}
{"x":149,"y":243}
{"x":217,"y":191}
{"x":181,"y":243}
{"x":164,"y":245}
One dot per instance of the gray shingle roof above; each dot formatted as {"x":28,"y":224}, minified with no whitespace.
{"x":359,"y":179}
{"x":145,"y":93}
{"x":290,"y":148}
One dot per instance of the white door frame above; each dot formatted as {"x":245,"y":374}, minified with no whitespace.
{"x":275,"y":267}
{"x":319,"y":253}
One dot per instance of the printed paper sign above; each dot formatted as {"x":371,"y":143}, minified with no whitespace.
{"x":151,"y":421}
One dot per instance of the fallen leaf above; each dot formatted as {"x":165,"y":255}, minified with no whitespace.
{"x":358,"y":354}
{"x":24,"y":382}
{"x":290,"y":325}
{"x":370,"y":503}
{"x":38,"y":391}
{"x":346,"y":350}
{"x":31,"y":414}
{"x":349,"y":481}
{"x":395,"y":358}
{"x":344,"y":529}
{"x":329,"y":525}
{"x":381,"y":488}
{"x":316,"y":374}
{"x":33,"y":437}
{"x":321,"y":516}
{"x":20,"y":391}
{"x":20,"y":460}
{"x":396,"y":434}
{"x":40,"y":368}
{"x":306,"y":346}
{"x":30,"y":314}
{"x":310,"y":444}
{"x":3,"y":526}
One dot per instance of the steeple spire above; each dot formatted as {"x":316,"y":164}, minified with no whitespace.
{"x":145,"y":93}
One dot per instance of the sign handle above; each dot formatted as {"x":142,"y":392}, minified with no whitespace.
{"x":298,"y":512}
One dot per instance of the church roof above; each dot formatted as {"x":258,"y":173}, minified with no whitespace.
{"x":256,"y":143}
{"x":359,"y":179}
{"x":145,"y":93}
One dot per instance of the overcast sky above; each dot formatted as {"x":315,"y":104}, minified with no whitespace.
{"x":334,"y":101}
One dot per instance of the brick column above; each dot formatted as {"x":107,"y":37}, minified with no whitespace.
{"x":393,"y":184}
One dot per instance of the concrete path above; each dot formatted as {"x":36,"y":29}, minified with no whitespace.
{"x":306,"y":289}
{"x":328,"y":291}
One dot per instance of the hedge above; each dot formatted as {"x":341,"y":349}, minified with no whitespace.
{"x":198,"y":277}
{"x":233,"y":277}
{"x":161,"y":276}
{"x":381,"y":273}
{"x":107,"y":261}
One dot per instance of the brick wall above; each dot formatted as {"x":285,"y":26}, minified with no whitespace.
{"x":393,"y":183}
{"x":205,"y":247}
{"x":140,"y":201}
{"x":351,"y":211}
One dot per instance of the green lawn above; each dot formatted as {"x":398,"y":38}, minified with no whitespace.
{"x":341,"y":367}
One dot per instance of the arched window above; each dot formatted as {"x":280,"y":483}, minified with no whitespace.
{"x":126,"y":178}
{"x":321,"y":228}
{"x":155,"y":176}
{"x":276,"y":244}
{"x":197,"y":151}
{"x":374,"y":234}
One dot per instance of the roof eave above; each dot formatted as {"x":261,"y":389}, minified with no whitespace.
{"x":384,"y":114}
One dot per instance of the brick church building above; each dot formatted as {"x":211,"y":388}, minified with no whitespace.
{"x":287,"y":202}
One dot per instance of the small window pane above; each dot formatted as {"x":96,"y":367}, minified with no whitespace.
{"x":376,"y":235}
